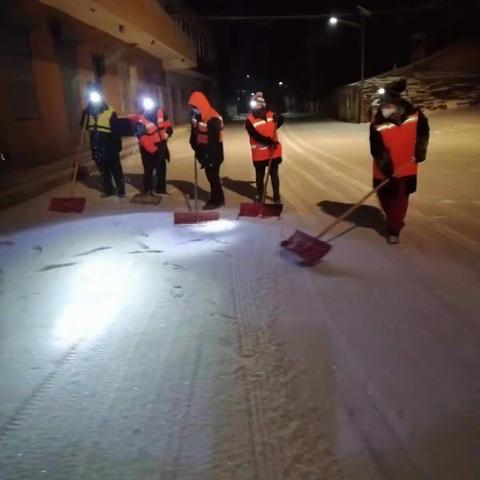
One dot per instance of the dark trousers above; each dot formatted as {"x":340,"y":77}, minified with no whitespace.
{"x":394,"y":201}
{"x":110,"y":168}
{"x":154,"y":162}
{"x":260,"y":168}
{"x":216,"y":191}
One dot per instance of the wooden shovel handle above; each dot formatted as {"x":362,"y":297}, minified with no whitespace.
{"x":359,"y":203}
{"x":76,"y":163}
{"x":265,"y":184}
{"x":195,"y":185}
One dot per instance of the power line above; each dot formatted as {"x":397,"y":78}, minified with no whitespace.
{"x":269,"y":18}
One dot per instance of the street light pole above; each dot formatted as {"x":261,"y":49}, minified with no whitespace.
{"x":364,"y":14}
{"x":362,"y":66}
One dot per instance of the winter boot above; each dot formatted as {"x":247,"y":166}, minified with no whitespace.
{"x":393,"y":239}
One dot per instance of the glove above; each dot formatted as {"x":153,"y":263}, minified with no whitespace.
{"x":385,"y":165}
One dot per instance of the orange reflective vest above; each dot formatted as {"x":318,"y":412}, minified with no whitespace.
{"x":201,"y":129}
{"x":154,"y":133}
{"x":266,"y":128}
{"x":399,"y":142}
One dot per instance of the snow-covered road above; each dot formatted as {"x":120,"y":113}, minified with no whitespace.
{"x":133,"y":349}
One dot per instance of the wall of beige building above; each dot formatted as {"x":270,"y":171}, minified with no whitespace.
{"x":47,"y":60}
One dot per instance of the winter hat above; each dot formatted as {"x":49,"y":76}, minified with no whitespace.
{"x":394,"y":92}
{"x":260,"y":99}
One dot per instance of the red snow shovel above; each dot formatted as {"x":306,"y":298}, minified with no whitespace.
{"x":310,"y":250}
{"x":71,"y":203}
{"x":262,"y":210}
{"x":195,"y":216}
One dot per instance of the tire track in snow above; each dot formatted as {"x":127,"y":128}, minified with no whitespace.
{"x":300,"y":146}
{"x":286,"y":439}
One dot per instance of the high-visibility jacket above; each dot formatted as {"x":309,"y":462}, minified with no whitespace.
{"x":100,"y":122}
{"x":399,"y":142}
{"x":154,"y":133}
{"x":201,"y":129}
{"x":266,"y":128}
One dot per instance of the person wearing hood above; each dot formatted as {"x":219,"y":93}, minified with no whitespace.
{"x":101,"y":121}
{"x":206,"y":139}
{"x":399,"y":136}
{"x":153,"y":129}
{"x":262,"y":126}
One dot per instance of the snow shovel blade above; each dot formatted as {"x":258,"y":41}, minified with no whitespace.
{"x":67,"y":204}
{"x":258,"y":210}
{"x":192,"y":217}
{"x":146,"y":199}
{"x":310,"y":250}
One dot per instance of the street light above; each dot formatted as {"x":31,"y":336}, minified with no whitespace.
{"x":381,"y":91}
{"x":280,"y":84}
{"x":364,"y":14}
{"x":247,"y":75}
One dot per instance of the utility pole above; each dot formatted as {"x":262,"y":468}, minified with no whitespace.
{"x":364,"y":14}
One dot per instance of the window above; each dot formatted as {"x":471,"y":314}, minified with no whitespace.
{"x":22,"y":93}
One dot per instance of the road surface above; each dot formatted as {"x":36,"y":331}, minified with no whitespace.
{"x":133,"y":349}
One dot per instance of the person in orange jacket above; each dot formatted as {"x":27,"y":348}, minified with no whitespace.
{"x":153,"y":129}
{"x":262,"y":125}
{"x":206,"y":139}
{"x":399,"y":137}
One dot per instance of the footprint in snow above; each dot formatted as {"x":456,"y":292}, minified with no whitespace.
{"x":98,"y":249}
{"x":191,"y":241}
{"x":177,"y":291}
{"x":221,"y":241}
{"x":223,"y":315}
{"x":137,"y":252}
{"x":56,"y":266}
{"x":174,"y":266}
{"x":223,"y":252}
{"x":7,"y":243}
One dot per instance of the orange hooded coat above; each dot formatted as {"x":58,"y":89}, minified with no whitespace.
{"x":206,"y":136}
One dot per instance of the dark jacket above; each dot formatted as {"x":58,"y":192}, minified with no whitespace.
{"x":211,"y":154}
{"x":103,"y":145}
{"x":380,"y":154}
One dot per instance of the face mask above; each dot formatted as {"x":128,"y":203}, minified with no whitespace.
{"x":388,"y":112}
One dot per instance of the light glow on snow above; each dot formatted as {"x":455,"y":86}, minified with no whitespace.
{"x":99,"y":290}
{"x":218,"y":226}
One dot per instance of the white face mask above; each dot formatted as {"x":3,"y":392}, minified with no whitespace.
{"x":388,"y":112}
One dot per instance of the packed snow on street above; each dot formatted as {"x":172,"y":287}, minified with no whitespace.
{"x":131,"y":348}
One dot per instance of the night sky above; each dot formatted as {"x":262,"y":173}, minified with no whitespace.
{"x":310,"y":56}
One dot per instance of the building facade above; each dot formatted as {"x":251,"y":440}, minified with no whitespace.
{"x":447,"y":79}
{"x":50,"y":50}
